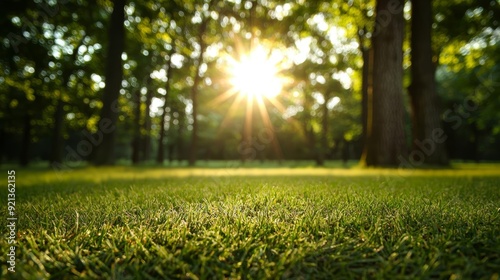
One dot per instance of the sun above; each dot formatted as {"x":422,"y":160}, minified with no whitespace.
{"x":256,"y":75}
{"x":254,"y":79}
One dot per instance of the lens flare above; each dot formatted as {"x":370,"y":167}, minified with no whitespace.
{"x":256,"y":75}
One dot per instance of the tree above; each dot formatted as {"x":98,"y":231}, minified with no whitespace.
{"x":366,"y":81}
{"x":196,"y":82}
{"x":136,"y":134}
{"x":426,"y":118}
{"x":161,"y":142}
{"x":114,"y":74}
{"x":146,"y":126}
{"x":51,"y":81}
{"x":386,"y":140}
{"x":59,"y":113}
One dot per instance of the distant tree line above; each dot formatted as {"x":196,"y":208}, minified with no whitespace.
{"x":389,"y":82}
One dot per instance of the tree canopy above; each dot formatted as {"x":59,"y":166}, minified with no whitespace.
{"x":144,"y":81}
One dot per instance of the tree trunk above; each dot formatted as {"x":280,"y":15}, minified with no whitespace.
{"x":308,"y":129}
{"x":179,"y":142}
{"x":194,"y":94}
{"x":3,"y":136}
{"x":366,"y":84}
{"x":57,"y":132}
{"x":386,"y":143}
{"x":146,"y":137}
{"x":345,"y":152}
{"x":136,"y":142}
{"x":367,"y":101}
{"x":324,"y":133}
{"x":161,"y":144}
{"x":114,"y":74}
{"x":57,"y":137}
{"x":475,"y":142}
{"x":424,"y":101}
{"x":26,"y":141}
{"x":366,"y":92}
{"x":246,"y":134}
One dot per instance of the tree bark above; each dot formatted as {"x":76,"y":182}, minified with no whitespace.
{"x":386,"y":142}
{"x":114,"y":74}
{"x":424,"y":100}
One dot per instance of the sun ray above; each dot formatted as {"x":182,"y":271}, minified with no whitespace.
{"x":263,"y":113}
{"x":258,"y":76}
{"x":223,"y":97}
{"x":232,"y":109}
{"x":247,"y":135}
{"x":277,"y":104}
{"x":255,"y":74}
{"x":269,"y":125}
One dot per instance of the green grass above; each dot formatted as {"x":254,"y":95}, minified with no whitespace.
{"x":132,"y":223}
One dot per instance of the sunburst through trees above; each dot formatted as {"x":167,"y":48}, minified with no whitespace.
{"x":255,"y":78}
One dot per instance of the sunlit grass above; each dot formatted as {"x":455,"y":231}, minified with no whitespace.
{"x":225,"y":169}
{"x":125,"y":222}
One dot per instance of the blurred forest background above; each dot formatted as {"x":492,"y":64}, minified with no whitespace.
{"x":149,"y":81}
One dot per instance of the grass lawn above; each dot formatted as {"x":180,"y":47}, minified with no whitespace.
{"x":145,"y":223}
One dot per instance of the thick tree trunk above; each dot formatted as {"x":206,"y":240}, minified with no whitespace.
{"x":424,"y":101}
{"x":114,"y":74}
{"x":136,"y":142}
{"x":387,"y":141}
{"x":161,"y":145}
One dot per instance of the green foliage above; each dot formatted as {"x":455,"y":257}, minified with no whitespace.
{"x":55,"y":51}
